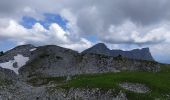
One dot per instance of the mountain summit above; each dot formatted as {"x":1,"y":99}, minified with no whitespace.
{"x":139,"y":54}
{"x":99,"y":48}
{"x":55,"y":61}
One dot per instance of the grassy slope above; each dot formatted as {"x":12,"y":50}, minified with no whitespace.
{"x":159,"y":83}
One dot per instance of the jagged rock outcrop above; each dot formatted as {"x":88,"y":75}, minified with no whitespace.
{"x":99,"y":48}
{"x":22,"y":91}
{"x":14,"y":89}
{"x":55,"y":61}
{"x":135,"y":87}
{"x":23,"y":49}
{"x":1,"y":53}
{"x":140,"y":54}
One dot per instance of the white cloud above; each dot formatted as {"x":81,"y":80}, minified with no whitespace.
{"x":80,"y":45}
{"x":29,"y":10}
{"x":130,"y":33}
{"x":161,"y":52}
{"x":58,"y":33}
{"x":142,"y":22}
{"x":40,"y":36}
{"x":39,"y":28}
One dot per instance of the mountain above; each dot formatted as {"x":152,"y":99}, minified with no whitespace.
{"x":41,"y":72}
{"x":99,"y":48}
{"x":1,"y":53}
{"x":28,"y":60}
{"x":140,"y":54}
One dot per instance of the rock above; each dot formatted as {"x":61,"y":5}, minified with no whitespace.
{"x":22,"y":91}
{"x":15,"y":65}
{"x":121,"y":96}
{"x":99,"y":48}
{"x":140,"y":54}
{"x":87,"y":94}
{"x":22,"y":50}
{"x":68,"y":78}
{"x":135,"y":87}
{"x":1,"y":98}
{"x":54,"y":61}
{"x":1,"y":53}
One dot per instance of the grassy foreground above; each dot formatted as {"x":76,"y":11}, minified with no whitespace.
{"x":159,"y":82}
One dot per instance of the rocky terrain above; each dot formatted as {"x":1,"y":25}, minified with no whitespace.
{"x":140,"y":54}
{"x":135,"y":87}
{"x":26,"y":71}
{"x":1,"y":53}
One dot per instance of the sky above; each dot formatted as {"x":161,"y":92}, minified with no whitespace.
{"x":79,"y":24}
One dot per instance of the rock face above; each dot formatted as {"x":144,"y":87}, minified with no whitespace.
{"x":23,"y":50}
{"x":1,"y":53}
{"x":99,"y":48}
{"x":55,"y":61}
{"x":22,"y":91}
{"x":135,"y":87}
{"x":140,"y":54}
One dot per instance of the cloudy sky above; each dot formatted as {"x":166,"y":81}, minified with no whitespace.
{"x":79,"y":24}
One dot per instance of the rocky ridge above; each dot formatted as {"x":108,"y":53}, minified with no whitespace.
{"x":55,"y":61}
{"x":101,"y":48}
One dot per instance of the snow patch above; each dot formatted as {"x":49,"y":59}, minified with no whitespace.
{"x":33,"y":49}
{"x":19,"y":59}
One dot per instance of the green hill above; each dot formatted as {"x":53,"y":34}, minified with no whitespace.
{"x":159,"y":83}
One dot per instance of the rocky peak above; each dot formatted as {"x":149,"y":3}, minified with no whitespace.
{"x":21,"y":48}
{"x":1,"y":53}
{"x":142,"y":50}
{"x":145,"y":50}
{"x":99,"y":48}
{"x":100,"y":45}
{"x":24,"y":50}
{"x":139,"y":54}
{"x":143,"y":54}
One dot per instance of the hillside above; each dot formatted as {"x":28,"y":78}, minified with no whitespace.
{"x":52,"y":72}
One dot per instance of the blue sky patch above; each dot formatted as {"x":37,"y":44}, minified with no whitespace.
{"x":6,"y":45}
{"x":92,"y":38}
{"x":49,"y":18}
{"x":28,"y":22}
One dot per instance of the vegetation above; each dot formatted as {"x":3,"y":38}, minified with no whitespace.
{"x":159,"y":82}
{"x":5,"y":82}
{"x":38,"y":81}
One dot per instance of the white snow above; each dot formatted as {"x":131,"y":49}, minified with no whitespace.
{"x":19,"y":59}
{"x":33,"y":49}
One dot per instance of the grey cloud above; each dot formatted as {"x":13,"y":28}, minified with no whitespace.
{"x":96,"y":16}
{"x":146,"y":17}
{"x":146,"y":11}
{"x":109,"y":11}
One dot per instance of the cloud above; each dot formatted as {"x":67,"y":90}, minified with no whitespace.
{"x":135,"y":23}
{"x":130,"y":33}
{"x":40,"y":36}
{"x":120,"y":22}
{"x":161,"y":52}
{"x":92,"y":17}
